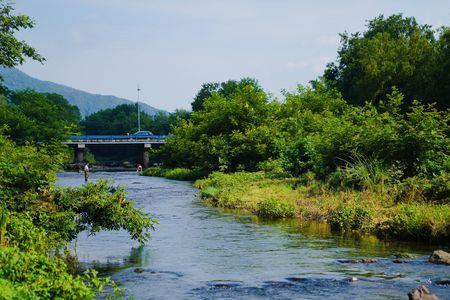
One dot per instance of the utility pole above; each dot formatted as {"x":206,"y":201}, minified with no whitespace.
{"x":138,"y":109}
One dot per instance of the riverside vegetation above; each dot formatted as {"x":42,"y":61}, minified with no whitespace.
{"x":365,"y":147}
{"x":38,"y":219}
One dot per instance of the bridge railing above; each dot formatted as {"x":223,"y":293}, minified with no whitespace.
{"x":115,"y":138}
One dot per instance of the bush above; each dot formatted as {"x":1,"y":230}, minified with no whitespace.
{"x":364,"y":173}
{"x":273,"y":169}
{"x":273,"y":209}
{"x":175,"y":174}
{"x":351,"y":217}
{"x":183,"y":174}
{"x":38,"y":219}
{"x":416,"y":188}
{"x":33,"y":275}
{"x":420,"y":221}
{"x":209,"y":192}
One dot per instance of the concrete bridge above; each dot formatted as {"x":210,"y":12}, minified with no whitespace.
{"x":138,"y":143}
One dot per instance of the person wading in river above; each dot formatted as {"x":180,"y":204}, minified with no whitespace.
{"x":86,"y":172}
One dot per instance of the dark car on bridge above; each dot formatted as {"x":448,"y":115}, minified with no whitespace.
{"x":142,"y":135}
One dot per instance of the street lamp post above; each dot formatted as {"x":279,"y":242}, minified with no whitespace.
{"x":138,"y":109}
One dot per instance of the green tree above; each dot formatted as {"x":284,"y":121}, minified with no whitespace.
{"x":392,"y":52}
{"x":441,"y":88}
{"x":229,"y":133}
{"x":36,"y":218}
{"x":226,"y":89}
{"x":123,"y":120}
{"x":13,"y":51}
{"x":35,"y":117}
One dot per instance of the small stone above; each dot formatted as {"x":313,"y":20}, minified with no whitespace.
{"x":443,"y":282}
{"x":421,"y":293}
{"x":138,"y":270}
{"x":358,"y":261}
{"x":368,"y":261}
{"x":440,"y":257}
{"x":399,"y":261}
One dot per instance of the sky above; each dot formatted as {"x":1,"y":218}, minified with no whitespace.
{"x":171,"y":47}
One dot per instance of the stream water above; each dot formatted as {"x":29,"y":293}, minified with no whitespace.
{"x":200,"y":252}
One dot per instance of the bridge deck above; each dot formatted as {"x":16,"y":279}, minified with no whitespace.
{"x":115,"y":139}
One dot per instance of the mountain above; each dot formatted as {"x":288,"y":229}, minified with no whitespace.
{"x":88,"y":103}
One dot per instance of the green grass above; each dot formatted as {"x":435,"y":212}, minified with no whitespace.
{"x":175,"y":174}
{"x":369,"y":210}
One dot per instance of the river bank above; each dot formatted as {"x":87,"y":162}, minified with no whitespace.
{"x":365,"y":211}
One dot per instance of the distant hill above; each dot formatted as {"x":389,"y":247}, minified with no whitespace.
{"x":88,"y":103}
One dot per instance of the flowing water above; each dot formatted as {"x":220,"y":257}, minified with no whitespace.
{"x":200,"y":252}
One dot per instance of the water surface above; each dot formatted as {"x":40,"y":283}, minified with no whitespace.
{"x":200,"y":252}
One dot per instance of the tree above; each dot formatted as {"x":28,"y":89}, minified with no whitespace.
{"x":226,"y":89}
{"x":441,"y":90}
{"x":230,"y":132}
{"x":392,"y":52}
{"x":38,"y":219}
{"x":35,"y":117}
{"x":13,"y":51}
{"x":123,"y":120}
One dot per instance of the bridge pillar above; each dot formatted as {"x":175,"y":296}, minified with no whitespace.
{"x":145,"y":157}
{"x":79,"y":152}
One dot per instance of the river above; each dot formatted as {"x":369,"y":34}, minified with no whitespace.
{"x":200,"y":252}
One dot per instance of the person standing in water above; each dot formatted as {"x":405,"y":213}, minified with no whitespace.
{"x":86,"y":172}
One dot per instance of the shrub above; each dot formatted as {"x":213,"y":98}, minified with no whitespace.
{"x":364,"y":173}
{"x":175,"y":174}
{"x":273,"y":208}
{"x":154,"y":171}
{"x":416,"y":188}
{"x":209,"y":192}
{"x":183,"y":174}
{"x":350,"y":217}
{"x":420,"y":221}
{"x":273,"y":168}
{"x":25,"y":275}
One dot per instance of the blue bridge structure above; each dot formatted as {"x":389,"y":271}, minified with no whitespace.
{"x":138,"y":144}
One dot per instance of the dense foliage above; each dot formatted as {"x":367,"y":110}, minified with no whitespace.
{"x":37,"y":218}
{"x":229,"y":133}
{"x":393,"y":51}
{"x":366,"y":147}
{"x":314,"y":130}
{"x":12,"y":50}
{"x":391,"y":141}
{"x":123,"y":120}
{"x":225,"y":89}
{"x":30,"y":116}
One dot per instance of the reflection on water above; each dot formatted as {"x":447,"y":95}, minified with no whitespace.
{"x":202,"y":252}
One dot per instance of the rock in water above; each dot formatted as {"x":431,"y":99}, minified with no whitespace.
{"x":421,"y":293}
{"x":440,"y":257}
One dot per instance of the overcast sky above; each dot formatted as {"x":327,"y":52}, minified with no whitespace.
{"x":171,"y":47}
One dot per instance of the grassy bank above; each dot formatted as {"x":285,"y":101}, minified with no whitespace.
{"x":175,"y":174}
{"x":375,"y":211}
